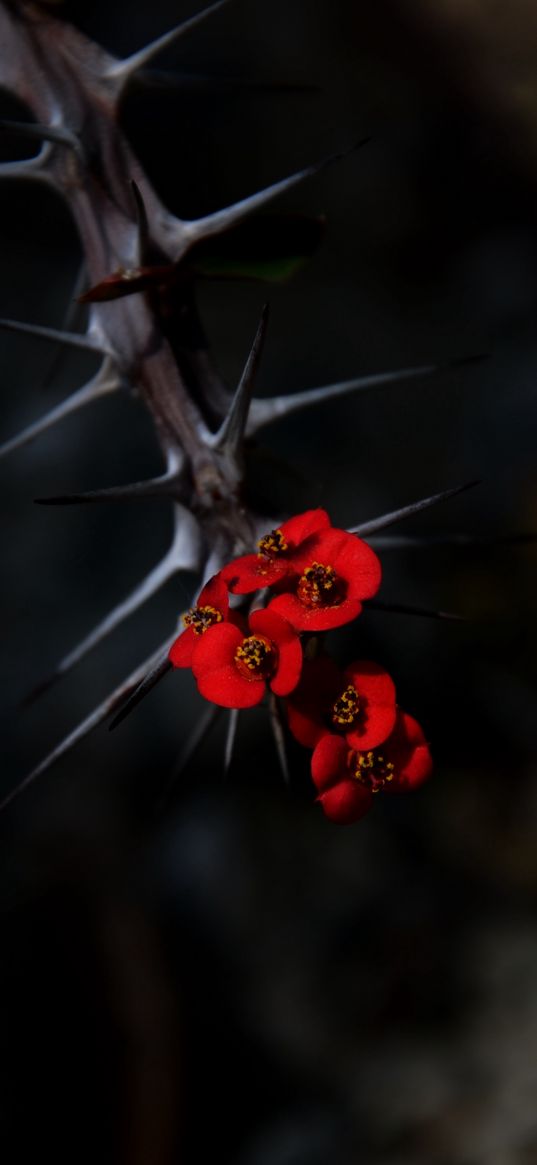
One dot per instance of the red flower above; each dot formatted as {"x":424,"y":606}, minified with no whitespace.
{"x":336,"y":575}
{"x":347,"y":780}
{"x":212,"y":607}
{"x":358,"y":703}
{"x":233,"y":669}
{"x":279,"y":552}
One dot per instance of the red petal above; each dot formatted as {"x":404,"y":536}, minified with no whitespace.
{"x":310,"y":619}
{"x":215,"y":648}
{"x":180,"y":653}
{"x":225,"y":686}
{"x":321,"y":683}
{"x":410,"y":753}
{"x":358,"y":564}
{"x":329,"y":762}
{"x":283,"y":635}
{"x":252,"y":572}
{"x":377,"y":689}
{"x":215,"y":594}
{"x":296,"y":529}
{"x":346,"y":802}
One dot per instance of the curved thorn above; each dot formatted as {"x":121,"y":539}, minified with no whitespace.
{"x":233,"y":720}
{"x":406,"y":609}
{"x":264,"y":411}
{"x":121,"y":71}
{"x":71,"y":339}
{"x":222,"y":220}
{"x":366,"y":528}
{"x":86,"y":726}
{"x":230,"y":436}
{"x":149,"y":682}
{"x":278,"y":732}
{"x":183,"y":554}
{"x":29,"y":167}
{"x":101,"y":385}
{"x":46,"y":133}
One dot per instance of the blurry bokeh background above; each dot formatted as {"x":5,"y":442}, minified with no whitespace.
{"x":193,"y":968}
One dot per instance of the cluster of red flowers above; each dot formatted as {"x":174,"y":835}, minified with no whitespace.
{"x":316,"y":577}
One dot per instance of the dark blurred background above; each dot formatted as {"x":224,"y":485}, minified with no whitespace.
{"x":197,"y":969}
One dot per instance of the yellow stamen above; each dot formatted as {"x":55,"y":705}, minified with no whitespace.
{"x":346,"y":708}
{"x":255,"y":658}
{"x":201,"y":618}
{"x":273,"y":544}
{"x":319,"y":586}
{"x":373,"y":770}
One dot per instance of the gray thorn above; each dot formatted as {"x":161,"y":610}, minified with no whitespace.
{"x":233,"y":720}
{"x":122,"y":71}
{"x":263,"y":412}
{"x":156,"y":487}
{"x":71,"y":339}
{"x":407,"y":609}
{"x":103,"y":384}
{"x":48,"y":133}
{"x":366,"y":528}
{"x":222,"y":220}
{"x":86,"y":726}
{"x":278,"y":733}
{"x":229,"y":438}
{"x":29,"y":167}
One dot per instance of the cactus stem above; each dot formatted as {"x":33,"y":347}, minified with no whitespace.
{"x":28,"y":167}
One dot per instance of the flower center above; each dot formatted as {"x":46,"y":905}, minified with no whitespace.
{"x":346,"y":709}
{"x":200,"y":618}
{"x":273,"y":544}
{"x":372,"y":769}
{"x":256,"y":658}
{"x":319,"y":586}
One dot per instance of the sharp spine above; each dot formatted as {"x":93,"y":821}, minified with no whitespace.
{"x":222,"y":220}
{"x":86,"y":726}
{"x":366,"y":528}
{"x":278,"y":732}
{"x":156,"y":487}
{"x":149,"y":682}
{"x":264,"y":411}
{"x":230,"y":436}
{"x":408,"y":609}
{"x":231,"y":734}
{"x":71,"y":339}
{"x":122,"y":71}
{"x":105,"y":383}
{"x":47,"y":133}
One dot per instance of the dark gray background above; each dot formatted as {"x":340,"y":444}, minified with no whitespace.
{"x":231,"y":974}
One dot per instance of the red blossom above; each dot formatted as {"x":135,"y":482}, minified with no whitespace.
{"x":233,"y":669}
{"x":358,"y":703}
{"x":211,"y":608}
{"x":280,"y":551}
{"x":347,"y":779}
{"x":335,"y":575}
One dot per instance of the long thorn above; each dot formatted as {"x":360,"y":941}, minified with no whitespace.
{"x":231,"y":734}
{"x":121,"y":71}
{"x":222,"y":220}
{"x":71,"y":339}
{"x":278,"y":733}
{"x":156,"y":487}
{"x":189,"y":749}
{"x":407,"y":609}
{"x":229,"y":438}
{"x":366,"y":528}
{"x":34,"y":168}
{"x":86,"y":726}
{"x":102,"y":385}
{"x":264,"y":411}
{"x":149,"y":682}
{"x":426,"y":541}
